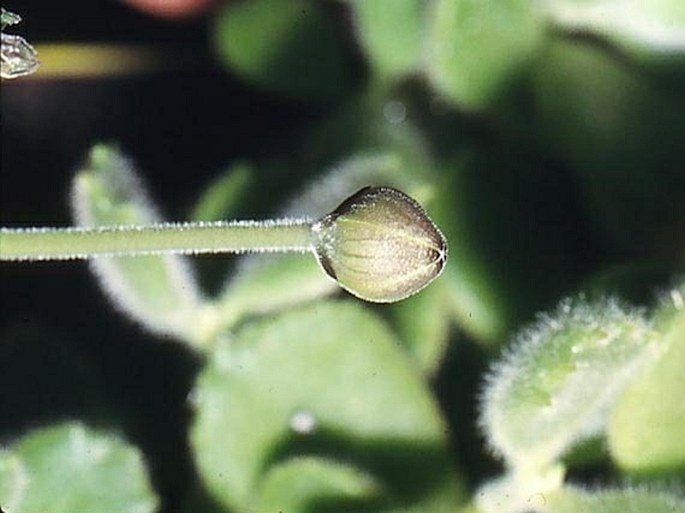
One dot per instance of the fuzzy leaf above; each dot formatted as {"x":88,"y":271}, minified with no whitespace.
{"x":326,"y":381}
{"x":647,"y":428}
{"x":69,"y":468}
{"x":390,"y":31}
{"x":478,"y":47}
{"x":518,"y":492}
{"x":291,"y":47}
{"x":159,"y":292}
{"x":575,"y":500}
{"x":561,"y":377}
{"x":545,"y":494}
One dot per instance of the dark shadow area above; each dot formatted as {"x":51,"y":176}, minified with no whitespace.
{"x":457,"y":386}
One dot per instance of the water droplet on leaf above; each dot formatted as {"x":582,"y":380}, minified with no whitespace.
{"x":303,"y":423}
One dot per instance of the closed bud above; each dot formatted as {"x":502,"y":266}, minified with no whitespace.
{"x":380,"y":245}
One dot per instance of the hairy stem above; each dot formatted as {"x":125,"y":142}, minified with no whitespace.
{"x":180,"y":238}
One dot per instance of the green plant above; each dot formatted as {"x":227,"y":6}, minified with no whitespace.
{"x":544,"y":138}
{"x":378,"y":244}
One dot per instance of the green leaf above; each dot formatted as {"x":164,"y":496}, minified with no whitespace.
{"x":575,"y":500}
{"x":479,"y":305}
{"x":422,"y":322}
{"x":470,"y":508}
{"x":607,"y":121}
{"x":647,"y":428}
{"x":309,"y":483}
{"x":391,"y":32}
{"x":477,"y":48}
{"x":326,"y":381}
{"x":516,"y":494}
{"x":68,"y":468}
{"x":220,"y":200}
{"x":654,"y":28}
{"x":159,"y":292}
{"x":560,"y":379}
{"x":510,"y":222}
{"x":286,"y":46}
{"x":268,"y":283}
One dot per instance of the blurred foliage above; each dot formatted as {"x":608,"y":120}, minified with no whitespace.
{"x":290,"y":47}
{"x":546,"y":139}
{"x":346,"y":394}
{"x":67,"y":468}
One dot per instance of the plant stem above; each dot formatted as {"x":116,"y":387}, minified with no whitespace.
{"x":178,"y":238}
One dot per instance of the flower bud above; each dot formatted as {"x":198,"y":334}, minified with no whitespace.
{"x":380,"y":245}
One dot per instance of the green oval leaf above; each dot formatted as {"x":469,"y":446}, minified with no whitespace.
{"x":287,"y":46}
{"x":326,"y":381}
{"x":391,"y":32}
{"x":68,"y":468}
{"x":476,"y":48}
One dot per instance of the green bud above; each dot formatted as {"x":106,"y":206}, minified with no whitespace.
{"x":380,"y":245}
